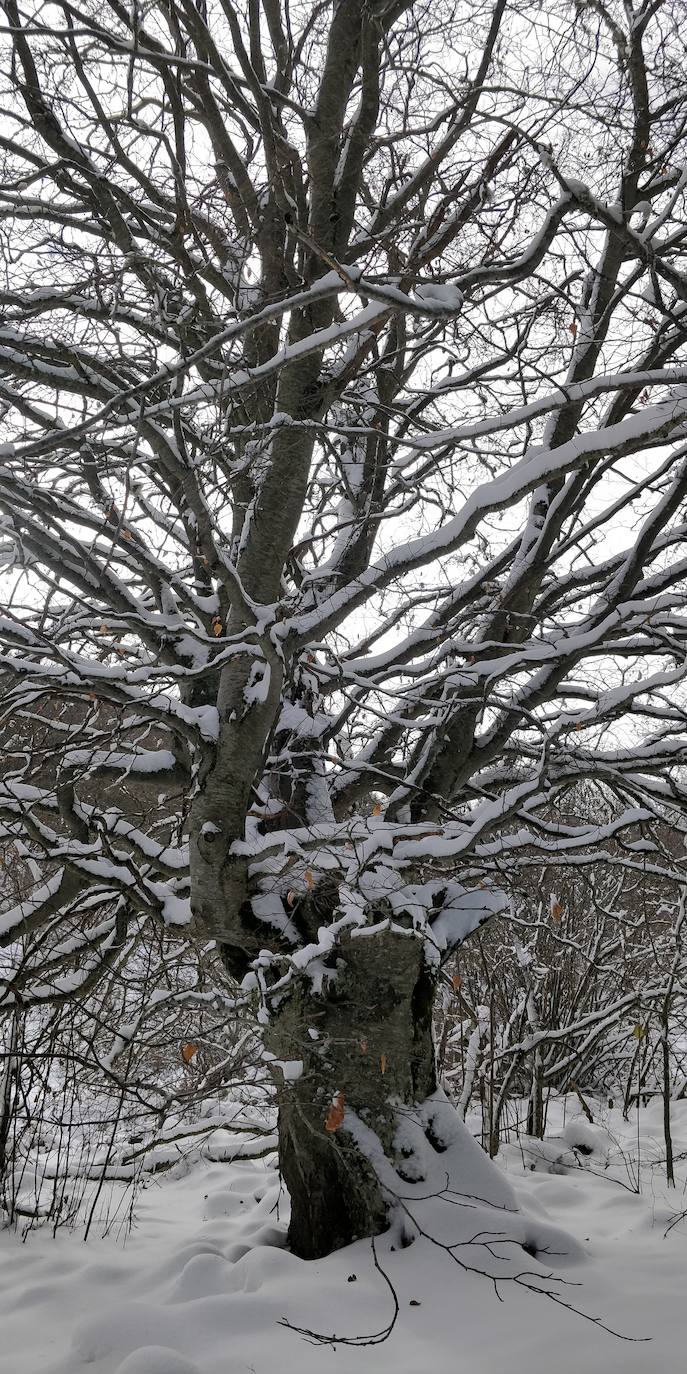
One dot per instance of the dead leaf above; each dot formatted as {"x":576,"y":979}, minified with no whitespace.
{"x":456,"y":981}
{"x":189,"y":1052}
{"x":309,"y":880}
{"x":377,"y":809}
{"x":382,"y":1062}
{"x":335,"y":1115}
{"x":556,"y":911}
{"x":216,"y":625}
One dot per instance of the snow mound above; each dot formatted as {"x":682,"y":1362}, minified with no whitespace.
{"x":586,"y":1138}
{"x":446,"y":1194}
{"x":548,"y":1156}
{"x":156,"y":1359}
{"x":203,"y":1276}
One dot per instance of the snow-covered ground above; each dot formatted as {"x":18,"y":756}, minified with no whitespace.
{"x":202,"y":1282}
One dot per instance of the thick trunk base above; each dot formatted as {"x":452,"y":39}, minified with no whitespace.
{"x":365,"y":1043}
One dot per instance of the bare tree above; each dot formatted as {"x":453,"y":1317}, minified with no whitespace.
{"x":343,"y":376}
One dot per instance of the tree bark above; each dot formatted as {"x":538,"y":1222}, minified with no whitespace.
{"x":366,"y":1047}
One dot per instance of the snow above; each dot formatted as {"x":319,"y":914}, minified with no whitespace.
{"x":257,"y":688}
{"x":463,"y":912}
{"x":292,"y":1069}
{"x":175,"y":909}
{"x":156,"y":1359}
{"x":142,"y":761}
{"x":442,"y":298}
{"x":203,"y":1282}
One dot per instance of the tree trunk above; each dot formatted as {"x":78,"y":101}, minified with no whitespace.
{"x":365,"y":1042}
{"x":8,"y":1090}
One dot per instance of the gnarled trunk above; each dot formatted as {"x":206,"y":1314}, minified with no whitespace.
{"x":365,"y":1042}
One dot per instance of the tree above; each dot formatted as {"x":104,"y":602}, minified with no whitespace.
{"x":344,"y":491}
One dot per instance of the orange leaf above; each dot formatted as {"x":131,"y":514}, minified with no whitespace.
{"x":556,"y":911}
{"x":188,"y":1052}
{"x":309,"y":880}
{"x":457,"y":981}
{"x":377,"y":809}
{"x":382,"y":1062}
{"x":216,"y":625}
{"x":335,"y":1115}
{"x":572,"y":329}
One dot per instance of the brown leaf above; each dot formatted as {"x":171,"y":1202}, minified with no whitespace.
{"x":382,"y":1062}
{"x":335,"y":1115}
{"x":189,"y":1052}
{"x":457,"y":981}
{"x":216,"y":625}
{"x":309,"y":880}
{"x":556,"y":911}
